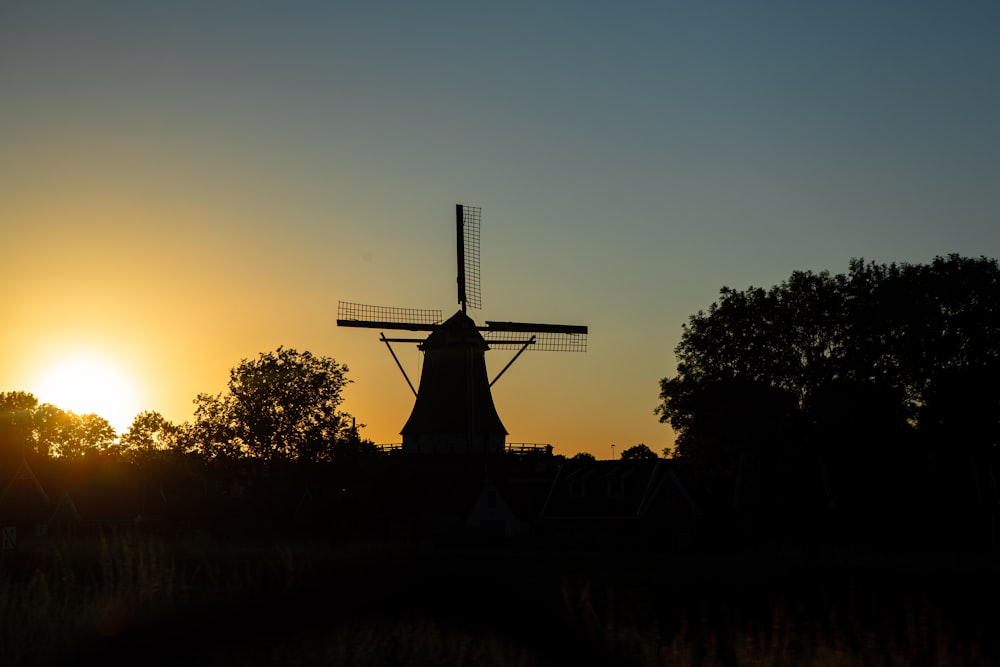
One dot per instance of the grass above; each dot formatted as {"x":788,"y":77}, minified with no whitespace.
{"x":134,"y":599}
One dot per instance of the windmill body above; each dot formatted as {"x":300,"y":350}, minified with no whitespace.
{"x":454,"y":411}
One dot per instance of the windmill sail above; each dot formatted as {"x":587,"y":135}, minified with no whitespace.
{"x":467,"y":220}
{"x":539,"y":341}
{"x":386,"y":317}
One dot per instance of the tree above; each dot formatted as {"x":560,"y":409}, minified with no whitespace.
{"x":281,"y":406}
{"x":95,"y":434}
{"x":17,"y":410}
{"x":861,"y":431}
{"x":150,"y":436}
{"x":899,"y":333}
{"x":65,"y":434}
{"x":45,"y":429}
{"x":53,"y":431}
{"x":638,"y":452}
{"x":960,"y":428}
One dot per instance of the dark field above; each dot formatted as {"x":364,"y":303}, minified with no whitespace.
{"x":145,"y":601}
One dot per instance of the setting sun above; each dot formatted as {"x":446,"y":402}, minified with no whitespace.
{"x":89,"y":385}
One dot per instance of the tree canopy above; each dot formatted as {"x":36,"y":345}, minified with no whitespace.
{"x":638,"y":452}
{"x":281,"y":406}
{"x":151,"y":435}
{"x":27,"y":426}
{"x":877,"y":354}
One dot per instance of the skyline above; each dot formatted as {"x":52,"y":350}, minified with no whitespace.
{"x":182,"y":187}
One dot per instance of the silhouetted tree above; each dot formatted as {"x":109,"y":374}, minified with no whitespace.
{"x":961,"y":412}
{"x":960,"y":425}
{"x":150,"y":436}
{"x":53,"y":431}
{"x":17,"y":410}
{"x":861,"y":431}
{"x":742,"y":431}
{"x":638,"y":452}
{"x":583,"y":456}
{"x":351,"y":448}
{"x":282,"y":406}
{"x":854,"y":375}
{"x":26,"y":426}
{"x":65,"y":434}
{"x":95,"y":434}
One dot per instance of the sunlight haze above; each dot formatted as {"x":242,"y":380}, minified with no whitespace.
{"x":88,"y":385}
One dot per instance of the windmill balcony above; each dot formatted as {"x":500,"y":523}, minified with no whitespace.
{"x":528,"y":448}
{"x":509,"y":448}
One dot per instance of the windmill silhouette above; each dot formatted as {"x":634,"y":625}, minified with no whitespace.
{"x":454,"y":411}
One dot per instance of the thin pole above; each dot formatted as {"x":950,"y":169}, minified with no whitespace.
{"x":401,"y":370}
{"x":504,"y":370}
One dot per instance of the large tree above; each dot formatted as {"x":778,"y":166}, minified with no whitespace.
{"x":281,"y":406}
{"x":903,"y":335}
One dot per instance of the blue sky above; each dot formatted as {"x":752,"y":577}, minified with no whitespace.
{"x":188,"y":184}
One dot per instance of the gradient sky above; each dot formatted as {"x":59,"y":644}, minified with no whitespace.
{"x":186,"y":184}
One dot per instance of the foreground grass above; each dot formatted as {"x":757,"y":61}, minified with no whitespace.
{"x":143,"y":600}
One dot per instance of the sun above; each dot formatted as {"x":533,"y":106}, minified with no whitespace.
{"x":89,"y":385}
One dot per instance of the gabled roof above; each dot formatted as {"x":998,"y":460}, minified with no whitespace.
{"x":108,"y":491}
{"x":452,"y":486}
{"x":65,"y":510}
{"x":23,"y":477}
{"x":668,"y":492}
{"x":617,"y":490}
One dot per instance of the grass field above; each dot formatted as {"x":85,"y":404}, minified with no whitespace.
{"x":140,"y":600}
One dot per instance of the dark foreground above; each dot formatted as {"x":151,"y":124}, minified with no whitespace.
{"x":138,"y":600}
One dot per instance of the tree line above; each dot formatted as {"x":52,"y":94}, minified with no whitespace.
{"x":281,"y":406}
{"x":886,"y":365}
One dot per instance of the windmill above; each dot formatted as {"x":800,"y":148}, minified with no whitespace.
{"x":454,"y":412}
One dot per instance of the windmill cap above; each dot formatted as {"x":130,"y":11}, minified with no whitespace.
{"x":459,"y":330}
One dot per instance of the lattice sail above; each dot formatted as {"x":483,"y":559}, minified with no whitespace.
{"x":467,"y":219}
{"x":538,"y":337}
{"x":543,"y":341}
{"x":386,"y":317}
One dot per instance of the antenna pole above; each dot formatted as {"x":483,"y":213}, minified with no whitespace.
{"x":460,"y":236}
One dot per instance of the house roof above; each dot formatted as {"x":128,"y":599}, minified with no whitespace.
{"x":24,"y":493}
{"x":619,"y":489}
{"x":88,"y":489}
{"x":22,"y":476}
{"x":451,"y":486}
{"x":106,"y":490}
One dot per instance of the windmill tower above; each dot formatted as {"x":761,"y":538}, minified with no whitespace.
{"x":454,"y":411}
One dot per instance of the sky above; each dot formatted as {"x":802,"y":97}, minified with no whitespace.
{"x":184,"y":185}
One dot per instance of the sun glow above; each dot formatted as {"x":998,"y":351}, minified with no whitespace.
{"x":89,"y":385}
